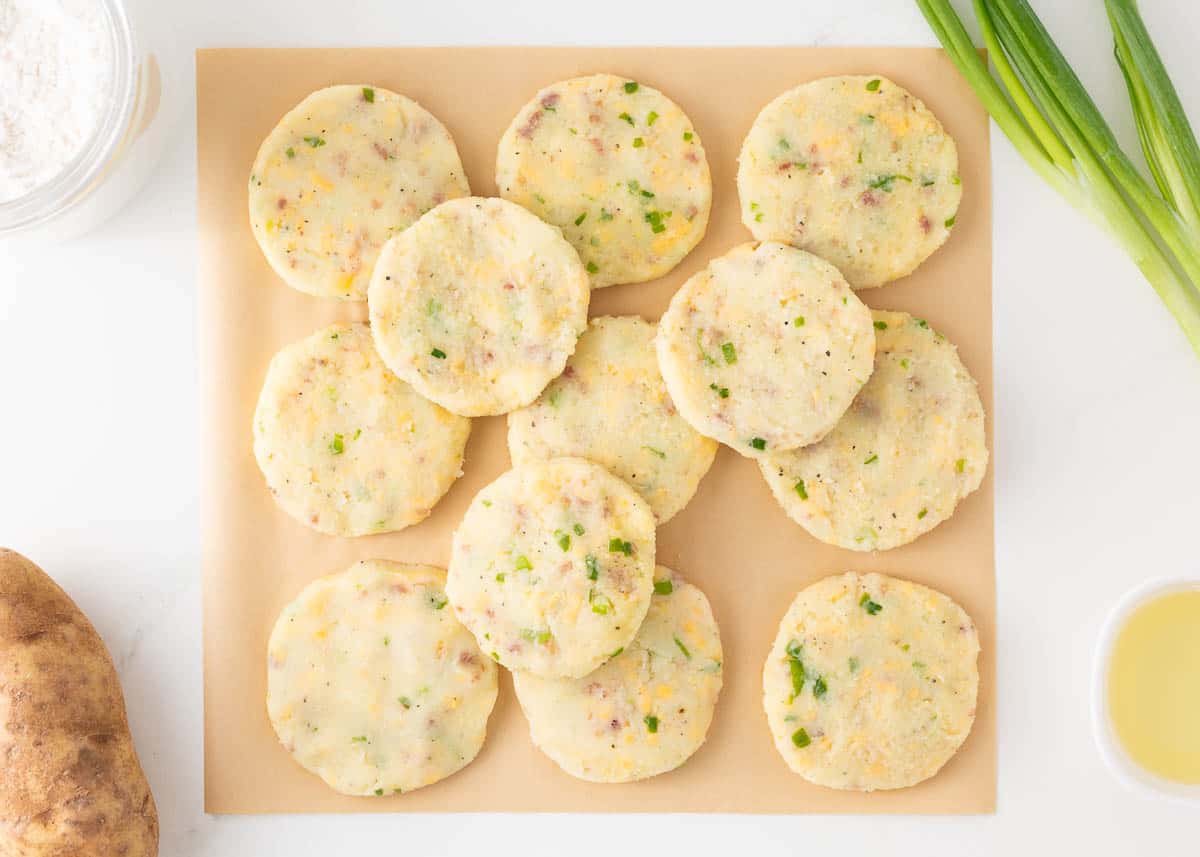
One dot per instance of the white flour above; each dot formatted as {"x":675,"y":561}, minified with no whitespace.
{"x":55,"y":77}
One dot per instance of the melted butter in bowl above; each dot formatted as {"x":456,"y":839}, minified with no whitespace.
{"x":1146,"y":702}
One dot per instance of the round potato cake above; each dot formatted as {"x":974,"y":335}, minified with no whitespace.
{"x":871,"y":683}
{"x":552,"y":567}
{"x":478,"y":305}
{"x":854,"y":169}
{"x":346,"y":447}
{"x":373,"y":685}
{"x":765,"y":348}
{"x":618,"y":167}
{"x":906,"y":452}
{"x":346,"y":169}
{"x":611,"y":406}
{"x":647,"y":710}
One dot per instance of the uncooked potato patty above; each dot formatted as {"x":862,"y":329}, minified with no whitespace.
{"x":478,"y":305}
{"x":854,"y":169}
{"x":611,"y":406}
{"x":909,"y":449}
{"x":765,"y":348}
{"x":343,"y":171}
{"x":552,"y":567}
{"x":647,"y":710}
{"x":373,"y":685}
{"x":871,"y":682}
{"x":618,"y":166}
{"x":346,"y":447}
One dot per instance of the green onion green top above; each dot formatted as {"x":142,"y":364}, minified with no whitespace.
{"x":651,"y":118}
{"x":616,"y":545}
{"x":729,"y":352}
{"x":592,"y":566}
{"x":758,"y":443}
{"x":626,"y":117}
{"x":315,"y":142}
{"x":800,"y":738}
{"x":872,"y":607}
{"x":337,"y":446}
{"x":438,"y":353}
{"x":522,"y":563}
{"x":651,"y":723}
{"x":563,"y":539}
{"x":663,"y":587}
{"x":631,"y":86}
{"x":873,"y":84}
{"x":679,"y":643}
{"x":368,"y":95}
{"x":801,"y":490}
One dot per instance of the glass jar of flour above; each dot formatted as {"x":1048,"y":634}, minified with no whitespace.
{"x":82,"y":123}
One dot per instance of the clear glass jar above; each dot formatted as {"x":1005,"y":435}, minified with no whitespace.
{"x":124,"y":149}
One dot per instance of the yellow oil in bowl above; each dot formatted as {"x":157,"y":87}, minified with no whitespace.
{"x":1154,"y":686}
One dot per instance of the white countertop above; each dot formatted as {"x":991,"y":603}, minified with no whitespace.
{"x":1097,"y":418}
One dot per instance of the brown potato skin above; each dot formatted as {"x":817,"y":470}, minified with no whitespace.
{"x":70,"y":781}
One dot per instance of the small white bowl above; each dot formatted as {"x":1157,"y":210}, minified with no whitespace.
{"x":1129,"y":772}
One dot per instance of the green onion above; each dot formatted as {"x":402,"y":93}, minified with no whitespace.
{"x":799,"y":322}
{"x":522,"y":563}
{"x":338,"y":445}
{"x":872,"y":607}
{"x":592,"y":267}
{"x":872,"y":459}
{"x":500,"y":577}
{"x":1043,"y":108}
{"x":617,"y":652}
{"x":960,"y":465}
{"x":438,"y":353}
{"x":378,"y":792}
{"x":581,"y":218}
{"x":663,"y":587}
{"x":949,"y":221}
{"x":852,"y":663}
{"x":291,"y":153}
{"x":578,"y":528}
{"x":758,"y":443}
{"x":800,"y":738}
{"x":315,"y":142}
{"x":801,"y":490}
{"x":600,"y":603}
{"x":405,"y":701}
{"x":368,"y":95}
{"x":605,"y":214}
{"x":881,"y":325}
{"x":638,"y":142}
{"x":729,"y":352}
{"x":619,"y":546}
{"x":631,"y":86}
{"x":593,"y":567}
{"x":651,"y":118}
{"x":687,"y":136}
{"x":563,"y":539}
{"x":437,"y":600}
{"x":921,"y":514}
{"x":796,"y":667}
{"x":651,"y":723}
{"x":683,"y":648}
{"x":872,"y":84}
{"x":626,"y":117}
{"x":722,"y":392}
{"x":819,"y":687}
{"x":655,"y":451}
{"x":359,"y":739}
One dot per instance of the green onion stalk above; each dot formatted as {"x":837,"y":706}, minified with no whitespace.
{"x":1042,"y":107}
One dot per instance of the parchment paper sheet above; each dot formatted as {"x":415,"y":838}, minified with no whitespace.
{"x":733,"y":540}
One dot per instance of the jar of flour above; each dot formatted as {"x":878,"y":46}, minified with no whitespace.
{"x":81,"y":113}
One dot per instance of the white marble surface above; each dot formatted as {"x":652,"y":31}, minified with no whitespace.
{"x":1097,"y":413}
